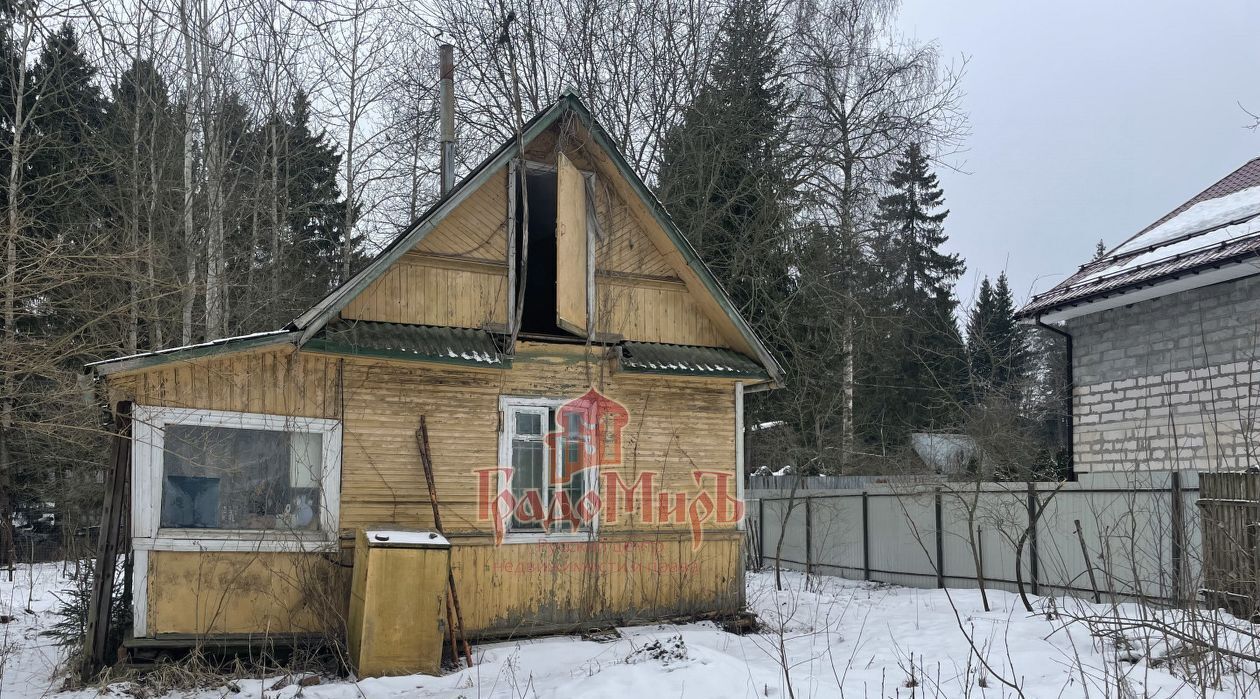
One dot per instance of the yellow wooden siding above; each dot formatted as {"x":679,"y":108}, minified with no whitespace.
{"x":518,"y":586}
{"x":456,"y":276}
{"x":507,"y":589}
{"x":278,"y":382}
{"x":676,"y":427}
{"x":477,"y":228}
{"x":428,"y":291}
{"x":244,"y":593}
{"x":622,"y":192}
{"x":624,"y":247}
{"x":652,"y":312}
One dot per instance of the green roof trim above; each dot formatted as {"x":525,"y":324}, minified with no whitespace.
{"x":685,"y":360}
{"x":423,"y":343}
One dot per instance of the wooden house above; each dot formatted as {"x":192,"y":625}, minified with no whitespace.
{"x":566,"y":348}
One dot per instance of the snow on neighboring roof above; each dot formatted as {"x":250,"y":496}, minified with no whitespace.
{"x":1184,"y":246}
{"x":1210,"y":238}
{"x":944,"y":453}
{"x":1199,"y":218}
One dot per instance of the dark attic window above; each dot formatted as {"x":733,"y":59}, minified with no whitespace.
{"x":536,"y":271}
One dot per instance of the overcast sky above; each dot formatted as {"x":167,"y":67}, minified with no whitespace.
{"x":1090,"y":119}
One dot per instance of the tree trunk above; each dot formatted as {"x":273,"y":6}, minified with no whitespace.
{"x":190,"y":232}
{"x":8,"y":353}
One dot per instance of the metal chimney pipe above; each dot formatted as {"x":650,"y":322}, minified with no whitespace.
{"x":446,"y":94}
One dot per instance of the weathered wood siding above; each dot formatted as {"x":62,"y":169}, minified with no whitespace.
{"x":244,"y":593}
{"x":456,"y":276}
{"x":677,"y":426}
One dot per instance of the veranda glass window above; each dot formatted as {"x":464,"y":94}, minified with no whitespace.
{"x":232,"y":478}
{"x":212,"y":476}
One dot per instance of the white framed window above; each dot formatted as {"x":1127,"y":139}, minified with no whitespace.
{"x":233,"y":481}
{"x":550,"y":475}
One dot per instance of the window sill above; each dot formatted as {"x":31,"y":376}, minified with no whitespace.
{"x":229,"y":540}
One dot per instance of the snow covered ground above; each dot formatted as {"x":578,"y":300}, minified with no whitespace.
{"x":836,"y":637}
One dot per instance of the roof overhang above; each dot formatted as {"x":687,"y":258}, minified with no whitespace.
{"x":145,"y":360}
{"x":1125,"y":296}
{"x":688,"y":360}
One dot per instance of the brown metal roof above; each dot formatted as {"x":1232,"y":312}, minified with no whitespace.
{"x":1086,"y":286}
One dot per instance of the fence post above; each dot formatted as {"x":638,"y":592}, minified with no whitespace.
{"x":866,"y":537}
{"x":809,"y":538}
{"x":1177,"y":513}
{"x":1033,"y":565}
{"x":761,"y":532}
{"x":940,"y":541}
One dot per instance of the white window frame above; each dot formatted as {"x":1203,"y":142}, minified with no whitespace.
{"x":507,"y":405}
{"x":148,"y":436}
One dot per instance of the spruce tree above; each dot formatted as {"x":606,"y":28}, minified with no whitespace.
{"x":722,"y":171}
{"x":921,"y":360}
{"x":722,"y":178}
{"x":315,"y":208}
{"x":1100,"y":251}
{"x":145,"y":154}
{"x":68,"y":118}
{"x":997,"y":350}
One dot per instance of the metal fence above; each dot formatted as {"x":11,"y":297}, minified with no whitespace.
{"x":47,"y":543}
{"x":1122,"y":535}
{"x":786,"y":483}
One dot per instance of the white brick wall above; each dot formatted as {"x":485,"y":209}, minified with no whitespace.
{"x":1170,"y":383}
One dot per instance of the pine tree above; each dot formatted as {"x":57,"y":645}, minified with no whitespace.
{"x":921,"y":359}
{"x":1100,"y":251}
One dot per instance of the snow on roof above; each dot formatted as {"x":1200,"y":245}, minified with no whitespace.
{"x":1199,"y":218}
{"x":405,"y":538}
{"x":184,"y":348}
{"x":1184,"y":246}
{"x":1215,"y":230}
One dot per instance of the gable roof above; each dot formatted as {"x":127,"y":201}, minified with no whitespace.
{"x":306,"y":326}
{"x":1212,"y":237}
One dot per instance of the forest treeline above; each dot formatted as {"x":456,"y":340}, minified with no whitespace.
{"x":176,"y":171}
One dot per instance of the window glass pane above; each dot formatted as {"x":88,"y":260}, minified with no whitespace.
{"x":529,"y":477}
{"x":230,"y":478}
{"x":529,"y":423}
{"x":573,"y":484}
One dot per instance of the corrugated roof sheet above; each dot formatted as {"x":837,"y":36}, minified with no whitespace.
{"x":404,"y":341}
{"x":649,"y":357}
{"x":1096,"y":280}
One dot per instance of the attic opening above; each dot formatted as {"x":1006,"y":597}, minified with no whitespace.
{"x":536,"y":266}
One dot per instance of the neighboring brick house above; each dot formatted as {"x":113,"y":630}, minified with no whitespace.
{"x":1165,"y":337}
